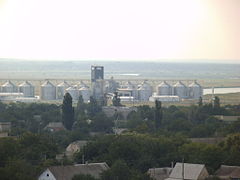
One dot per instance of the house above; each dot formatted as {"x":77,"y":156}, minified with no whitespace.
{"x":191,"y":172}
{"x":74,"y":147}
{"x":110,"y":111}
{"x":68,"y":172}
{"x":228,"y":172}
{"x":54,"y":126}
{"x":5,"y":128}
{"x":159,"y":173}
{"x":227,"y":119}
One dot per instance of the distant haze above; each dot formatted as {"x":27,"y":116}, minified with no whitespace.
{"x":174,"y":30}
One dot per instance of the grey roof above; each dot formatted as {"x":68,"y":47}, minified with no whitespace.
{"x":159,"y":173}
{"x":8,"y":84}
{"x":228,"y":171}
{"x":67,"y":172}
{"x":25,"y":84}
{"x":47,"y":84}
{"x":164,"y":84}
{"x":191,"y":171}
{"x":63,"y":84}
{"x":55,"y":125}
{"x":179,"y":84}
{"x":194,"y":84}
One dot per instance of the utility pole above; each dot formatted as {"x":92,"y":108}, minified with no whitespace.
{"x":183,"y":168}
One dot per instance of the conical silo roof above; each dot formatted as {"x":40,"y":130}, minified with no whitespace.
{"x":63,"y":84}
{"x":47,"y":84}
{"x":25,"y":84}
{"x":194,"y":84}
{"x":8,"y":84}
{"x":179,"y":84}
{"x":164,"y":84}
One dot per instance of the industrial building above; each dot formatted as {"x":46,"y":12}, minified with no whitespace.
{"x":99,"y":88}
{"x":48,"y":91}
{"x":61,"y":89}
{"x":27,"y":89}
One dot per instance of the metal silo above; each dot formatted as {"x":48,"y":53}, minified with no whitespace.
{"x":48,"y":91}
{"x":27,"y":89}
{"x":61,"y":89}
{"x":9,"y":87}
{"x":164,"y":89}
{"x":73,"y":91}
{"x":180,"y":90}
{"x":195,"y":90}
{"x":85,"y":92}
{"x":144,"y":91}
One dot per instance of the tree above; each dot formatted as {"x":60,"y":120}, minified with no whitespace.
{"x":116,"y":101}
{"x":67,"y":111}
{"x":118,"y":171}
{"x":216,"y":102}
{"x":93,"y":107}
{"x":80,"y":105}
{"x":158,"y":114}
{"x":200,"y":102}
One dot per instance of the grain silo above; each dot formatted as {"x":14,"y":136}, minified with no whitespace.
{"x":144,"y":91}
{"x":195,"y":90}
{"x":73,"y":91}
{"x":27,"y":89}
{"x":80,"y":85}
{"x":9,"y":87}
{"x":180,"y":90}
{"x":61,"y":89}
{"x":85,"y":93}
{"x":164,"y":89}
{"x":48,"y":91}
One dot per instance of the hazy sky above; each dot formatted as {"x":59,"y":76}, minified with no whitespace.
{"x":120,"y":29}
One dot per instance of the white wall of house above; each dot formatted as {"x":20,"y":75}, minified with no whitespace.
{"x":46,"y":175}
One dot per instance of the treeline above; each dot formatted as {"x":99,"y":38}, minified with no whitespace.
{"x":139,"y":152}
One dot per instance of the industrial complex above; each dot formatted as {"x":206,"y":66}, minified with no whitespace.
{"x":100,"y":88}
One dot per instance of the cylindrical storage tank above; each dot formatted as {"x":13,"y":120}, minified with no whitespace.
{"x":85,"y":93}
{"x":80,"y":85}
{"x":195,"y":90}
{"x":61,"y":89}
{"x":9,"y":87}
{"x":73,"y":91}
{"x":27,"y":89}
{"x":164,"y":89}
{"x":180,"y":90}
{"x":144,"y":91}
{"x":48,"y":91}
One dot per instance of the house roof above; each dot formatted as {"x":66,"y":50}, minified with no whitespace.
{"x":228,"y":171}
{"x":191,"y":171}
{"x":159,"y":173}
{"x":55,"y":125}
{"x":67,"y":172}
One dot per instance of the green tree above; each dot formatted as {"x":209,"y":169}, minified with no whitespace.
{"x":93,"y":107}
{"x":116,"y":101}
{"x":80,"y":105}
{"x":118,"y":171}
{"x":67,"y":111}
{"x":200,"y":102}
{"x":216,"y":102}
{"x":158,"y":114}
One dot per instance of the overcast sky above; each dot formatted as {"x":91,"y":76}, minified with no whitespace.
{"x":120,"y":29}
